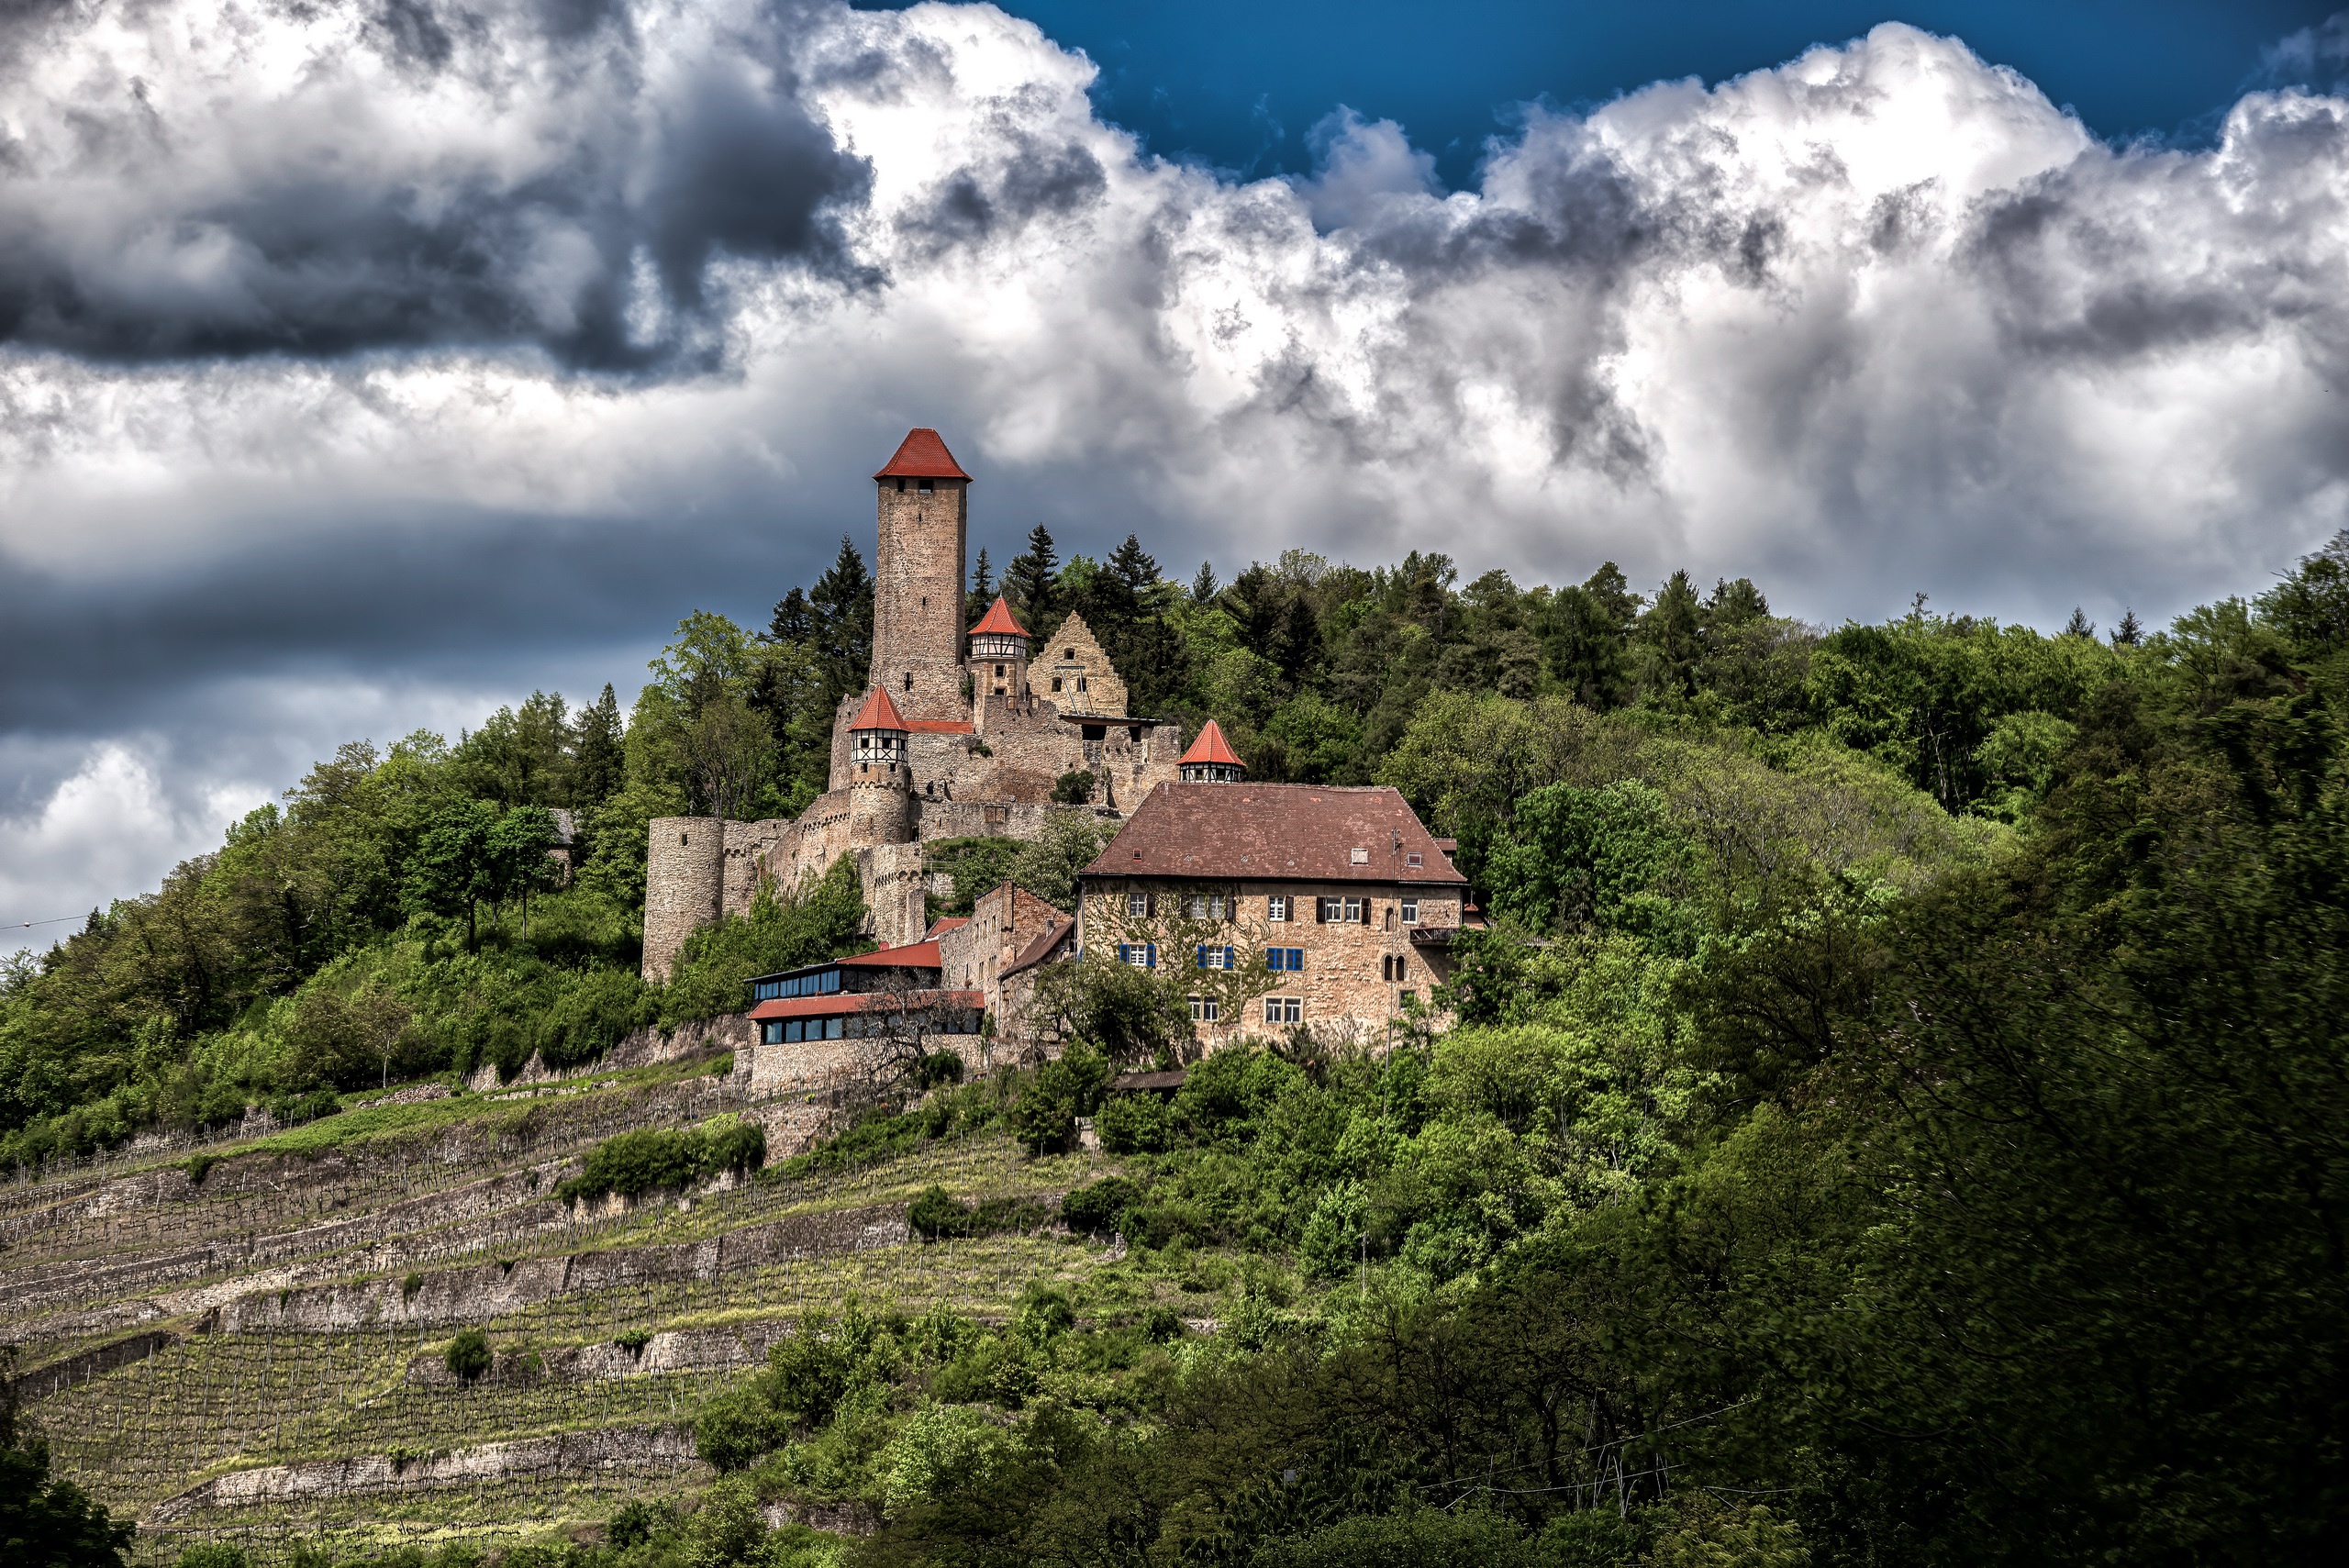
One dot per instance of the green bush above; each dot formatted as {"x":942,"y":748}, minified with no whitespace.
{"x":1431,"y":1539}
{"x":592,"y":1013}
{"x":666,"y":1159}
{"x":937,"y":1214}
{"x":468,"y":1354}
{"x":1134,"y":1124}
{"x":1044,"y":1118}
{"x":212,"y":1554}
{"x":1100,"y":1209}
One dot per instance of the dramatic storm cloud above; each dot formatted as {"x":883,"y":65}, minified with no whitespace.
{"x":366,"y":363}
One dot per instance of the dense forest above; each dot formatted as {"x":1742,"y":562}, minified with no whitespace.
{"x":1897,"y":1116}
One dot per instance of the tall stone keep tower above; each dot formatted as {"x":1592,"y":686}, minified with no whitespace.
{"x":918,"y":579}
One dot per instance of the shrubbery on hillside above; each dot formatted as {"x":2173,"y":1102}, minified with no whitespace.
{"x":657,"y":1159}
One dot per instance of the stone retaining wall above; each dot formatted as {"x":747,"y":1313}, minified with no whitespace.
{"x":455,"y":1297}
{"x":665,"y":1450}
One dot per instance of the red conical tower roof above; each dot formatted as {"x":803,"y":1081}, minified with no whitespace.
{"x":878,"y":713}
{"x":997,"y":621}
{"x":921,"y":455}
{"x":1211,"y":747}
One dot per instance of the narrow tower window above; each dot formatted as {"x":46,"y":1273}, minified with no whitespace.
{"x":909,"y":680}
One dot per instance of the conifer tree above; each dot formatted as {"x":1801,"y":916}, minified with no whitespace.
{"x":2079,"y":625}
{"x":2130,"y":632}
{"x":982,"y":593}
{"x":840,"y":635}
{"x":1204,"y":586}
{"x":1032,"y":582}
{"x":595,"y":760}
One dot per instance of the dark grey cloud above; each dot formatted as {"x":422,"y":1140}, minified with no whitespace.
{"x":306,"y":433}
{"x":135,"y":229}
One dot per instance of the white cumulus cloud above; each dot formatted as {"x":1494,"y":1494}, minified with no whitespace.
{"x":474,"y":330}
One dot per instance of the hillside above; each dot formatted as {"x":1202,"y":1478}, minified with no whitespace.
{"x":1896,"y":1114}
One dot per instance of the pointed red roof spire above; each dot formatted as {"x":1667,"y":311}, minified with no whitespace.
{"x":922,"y":455}
{"x":999,"y":622}
{"x":878,"y":713}
{"x":1212,"y":748}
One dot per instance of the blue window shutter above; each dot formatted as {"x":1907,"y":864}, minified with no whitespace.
{"x":1230,"y":959}
{"x":1150,"y":955}
{"x":1202,"y":961}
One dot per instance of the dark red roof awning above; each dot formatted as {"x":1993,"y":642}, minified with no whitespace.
{"x":841,"y":1003}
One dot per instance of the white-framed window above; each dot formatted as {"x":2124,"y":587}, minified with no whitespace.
{"x":1205,"y":1010}
{"x":1284,"y":1009}
{"x":1137,"y":904}
{"x":1412,"y":859}
{"x":1276,"y":907}
{"x":1353,"y":915}
{"x":1410,"y":911}
{"x":1195,"y":908}
{"x":1141,"y":955}
{"x":1218,"y":958}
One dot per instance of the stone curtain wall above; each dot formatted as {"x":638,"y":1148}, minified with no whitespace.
{"x":1003,"y":922}
{"x":918,"y":597}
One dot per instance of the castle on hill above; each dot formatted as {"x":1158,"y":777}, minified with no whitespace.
{"x":959,"y":733}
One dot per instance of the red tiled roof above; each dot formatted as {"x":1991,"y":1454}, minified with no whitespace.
{"x":845,"y":1001}
{"x":913,"y":955}
{"x":921,"y":455}
{"x":1211,"y":747}
{"x":943,"y":925}
{"x":936,"y":725}
{"x":878,"y":713}
{"x":998,"y":621}
{"x":1276,"y":832}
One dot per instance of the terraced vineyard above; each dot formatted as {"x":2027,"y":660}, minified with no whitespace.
{"x":251,"y":1344}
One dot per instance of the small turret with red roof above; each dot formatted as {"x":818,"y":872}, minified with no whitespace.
{"x":877,"y":734}
{"x":998,"y":661}
{"x":1212,"y":759}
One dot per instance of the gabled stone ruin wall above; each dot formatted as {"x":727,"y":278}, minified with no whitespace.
{"x":1072,"y":671}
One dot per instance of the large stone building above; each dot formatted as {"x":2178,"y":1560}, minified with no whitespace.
{"x":1352,"y":904}
{"x":952,"y":738}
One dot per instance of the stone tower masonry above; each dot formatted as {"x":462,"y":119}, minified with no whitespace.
{"x":918,"y":579}
{"x":684,"y":886}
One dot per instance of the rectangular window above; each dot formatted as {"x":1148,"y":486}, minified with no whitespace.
{"x":1360,"y":857}
{"x":1196,"y":907}
{"x":1410,"y":911}
{"x":1354,"y":916}
{"x":1215,"y":905}
{"x":791,"y":1031}
{"x":1325,"y":910}
{"x":1403,"y":999}
{"x":770,"y":1033}
{"x":1286,"y":960}
{"x":1141,"y":955}
{"x":1137,"y":906}
{"x":831,"y":1029}
{"x":1205,"y":1010}
{"x":1411,"y":859}
{"x":1216,"y":958}
{"x":1284,"y":1009}
{"x":1276,"y":907}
